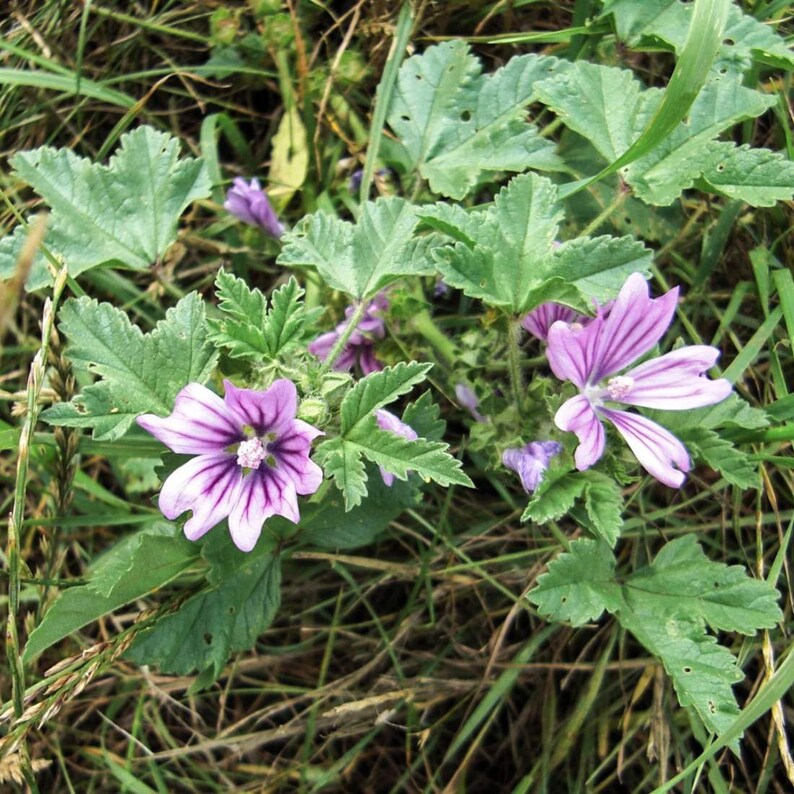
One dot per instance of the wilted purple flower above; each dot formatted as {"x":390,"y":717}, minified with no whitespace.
{"x":360,"y":346}
{"x":250,"y":204}
{"x":252,"y":458}
{"x":354,"y":185}
{"x":531,"y":461}
{"x":388,"y":421}
{"x":539,"y":320}
{"x":590,"y":357}
{"x":440,"y":290}
{"x":468,"y":399}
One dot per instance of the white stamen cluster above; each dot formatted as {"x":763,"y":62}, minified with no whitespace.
{"x":251,"y":453}
{"x":619,"y":387}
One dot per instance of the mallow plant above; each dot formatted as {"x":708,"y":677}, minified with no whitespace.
{"x":277,"y":425}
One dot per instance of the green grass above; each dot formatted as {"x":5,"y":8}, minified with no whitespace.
{"x":414,"y":664}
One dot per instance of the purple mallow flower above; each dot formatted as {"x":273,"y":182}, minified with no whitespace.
{"x":388,"y":421}
{"x":531,"y":461}
{"x":468,"y":400}
{"x":250,"y":204}
{"x":360,"y":346}
{"x":591,"y":356}
{"x":252,"y":458}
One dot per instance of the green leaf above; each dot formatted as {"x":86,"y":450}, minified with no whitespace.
{"x":604,"y":505}
{"x":398,"y":455}
{"x":459,"y":126}
{"x":242,"y":600}
{"x":124,"y":213}
{"x":758,"y":176}
{"x":330,"y":524}
{"x":379,"y":389}
{"x":137,"y":566}
{"x":735,"y":465}
{"x":342,"y":463}
{"x":579,"y":585}
{"x":667,"y":21}
{"x":683,"y":581}
{"x":702,"y":671}
{"x":249,"y":328}
{"x":608,"y":107}
{"x":140,"y":372}
{"x":506,"y":254}
{"x":554,"y":497}
{"x":363,"y":258}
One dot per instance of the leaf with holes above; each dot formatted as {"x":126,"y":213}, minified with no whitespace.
{"x":240,"y":600}
{"x":124,"y":213}
{"x":610,"y":108}
{"x":667,"y":21}
{"x":507,"y":255}
{"x":459,"y":126}
{"x":579,"y":585}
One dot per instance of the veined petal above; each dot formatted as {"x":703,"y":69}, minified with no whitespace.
{"x":636,"y":322}
{"x":572,"y":352}
{"x":200,"y":423}
{"x":208,"y":485}
{"x":266,"y":411}
{"x":578,"y":416}
{"x":264,"y":493}
{"x":539,"y":320}
{"x":367,"y":360}
{"x":291,"y":451}
{"x":659,"y":452}
{"x":676,"y":381}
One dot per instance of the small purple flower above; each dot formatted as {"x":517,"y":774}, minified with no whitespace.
{"x":468,"y":399}
{"x":539,"y":320}
{"x":388,"y":421}
{"x":440,"y":290}
{"x":251,"y":205}
{"x":531,"y":461}
{"x":591,"y":356}
{"x":252,"y":458}
{"x":360,"y":346}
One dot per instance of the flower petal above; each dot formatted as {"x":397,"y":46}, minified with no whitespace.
{"x":676,"y":381}
{"x":291,"y":451}
{"x":208,"y":485}
{"x":200,"y":423}
{"x":572,"y":352}
{"x":539,"y":320}
{"x":578,"y":416}
{"x":266,"y":411}
{"x":322,"y":345}
{"x":264,"y":493}
{"x":634,"y":325}
{"x":367,"y":360}
{"x":531,"y":461}
{"x":659,"y":452}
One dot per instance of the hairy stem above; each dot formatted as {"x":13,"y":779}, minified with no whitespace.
{"x":340,"y":343}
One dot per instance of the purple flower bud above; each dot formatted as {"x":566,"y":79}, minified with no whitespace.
{"x":531,"y":461}
{"x":440,"y":290}
{"x":251,"y":205}
{"x":389,"y":422}
{"x":468,"y":400}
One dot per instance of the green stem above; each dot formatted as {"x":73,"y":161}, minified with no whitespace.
{"x":514,"y":358}
{"x":340,"y":343}
{"x":604,"y":214}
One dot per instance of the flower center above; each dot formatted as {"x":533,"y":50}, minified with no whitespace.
{"x":619,"y":387}
{"x":251,"y":453}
